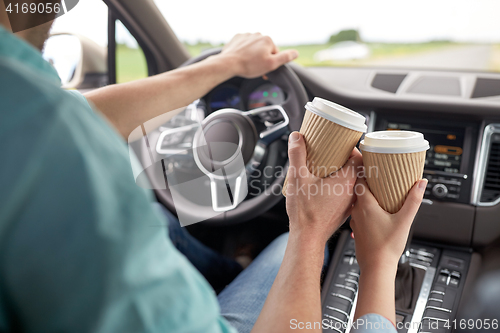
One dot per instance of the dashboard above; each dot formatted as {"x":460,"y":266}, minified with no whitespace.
{"x":462,"y":201}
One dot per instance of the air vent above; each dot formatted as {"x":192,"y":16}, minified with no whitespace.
{"x":491,"y":188}
{"x":388,"y":82}
{"x":486,"y":88}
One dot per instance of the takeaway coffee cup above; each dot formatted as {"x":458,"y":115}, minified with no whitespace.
{"x":331,"y":132}
{"x":394,"y":162}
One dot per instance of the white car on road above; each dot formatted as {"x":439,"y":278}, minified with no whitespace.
{"x":348,"y":50}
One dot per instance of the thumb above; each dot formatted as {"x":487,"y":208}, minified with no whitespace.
{"x":296,"y":154}
{"x":413,"y":200}
{"x":283,"y":57}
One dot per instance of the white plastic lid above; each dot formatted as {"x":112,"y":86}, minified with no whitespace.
{"x":394,"y":142}
{"x":337,"y":114}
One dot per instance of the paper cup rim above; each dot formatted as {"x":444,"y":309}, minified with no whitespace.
{"x":344,"y":116}
{"x":394,"y":150}
{"x":394,"y":142}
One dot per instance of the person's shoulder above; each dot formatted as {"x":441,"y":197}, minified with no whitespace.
{"x":29,"y":99}
{"x":26,"y":94}
{"x":36,"y":115}
{"x":18,"y":79}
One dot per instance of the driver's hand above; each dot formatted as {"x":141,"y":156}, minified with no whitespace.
{"x":255,"y":55}
{"x":316,"y":206}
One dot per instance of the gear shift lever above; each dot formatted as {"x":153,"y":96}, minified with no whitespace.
{"x":408,"y":280}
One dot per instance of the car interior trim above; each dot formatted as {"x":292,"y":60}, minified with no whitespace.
{"x":425,"y":291}
{"x":482,"y":165}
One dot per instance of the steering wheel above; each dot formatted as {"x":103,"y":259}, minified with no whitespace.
{"x":226,"y":145}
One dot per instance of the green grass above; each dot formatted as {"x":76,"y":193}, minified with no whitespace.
{"x":130,"y":64}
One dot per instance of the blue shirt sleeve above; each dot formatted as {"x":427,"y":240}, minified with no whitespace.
{"x":373,"y":323}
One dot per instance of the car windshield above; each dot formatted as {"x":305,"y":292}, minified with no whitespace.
{"x":425,"y":34}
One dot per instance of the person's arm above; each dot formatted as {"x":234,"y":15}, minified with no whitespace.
{"x":314,"y":217}
{"x":129,"y":105}
{"x":380,"y":240}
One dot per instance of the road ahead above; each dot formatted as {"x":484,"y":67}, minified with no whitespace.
{"x":471,"y":57}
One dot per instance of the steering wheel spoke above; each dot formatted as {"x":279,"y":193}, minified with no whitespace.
{"x":173,"y":140}
{"x":178,"y":140}
{"x":227,"y":192}
{"x":270,"y":121}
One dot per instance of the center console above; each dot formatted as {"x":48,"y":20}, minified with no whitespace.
{"x":436,"y":294}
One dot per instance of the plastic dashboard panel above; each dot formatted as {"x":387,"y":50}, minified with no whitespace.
{"x":446,"y":222}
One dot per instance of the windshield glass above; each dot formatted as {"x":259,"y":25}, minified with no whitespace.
{"x":425,"y":34}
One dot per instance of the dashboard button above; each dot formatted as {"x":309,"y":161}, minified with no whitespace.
{"x":442,"y":279}
{"x":454,"y":282}
{"x":440,"y":190}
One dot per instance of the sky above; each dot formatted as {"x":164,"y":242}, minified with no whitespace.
{"x":305,"y":22}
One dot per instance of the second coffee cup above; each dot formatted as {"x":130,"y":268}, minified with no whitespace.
{"x":394,"y":161}
{"x":330,"y":132}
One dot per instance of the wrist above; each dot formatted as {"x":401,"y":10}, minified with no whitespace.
{"x":231,"y":62}
{"x":313,"y":232}
{"x":308,"y":241}
{"x":380,"y":266}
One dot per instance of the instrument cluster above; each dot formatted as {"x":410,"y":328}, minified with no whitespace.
{"x":244,"y":95}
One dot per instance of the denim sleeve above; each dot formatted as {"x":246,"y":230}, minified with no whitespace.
{"x":371,"y":323}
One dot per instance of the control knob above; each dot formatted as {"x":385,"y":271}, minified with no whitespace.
{"x":440,"y":190}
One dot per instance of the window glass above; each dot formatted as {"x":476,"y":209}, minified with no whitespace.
{"x":130,"y":60}
{"x":431,"y":34}
{"x":90,"y":19}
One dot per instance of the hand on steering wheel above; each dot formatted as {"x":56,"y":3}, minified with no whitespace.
{"x":256,"y":55}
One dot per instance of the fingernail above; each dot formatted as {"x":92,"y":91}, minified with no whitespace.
{"x":295,"y":54}
{"x":294,"y":137}
{"x":422,"y":184}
